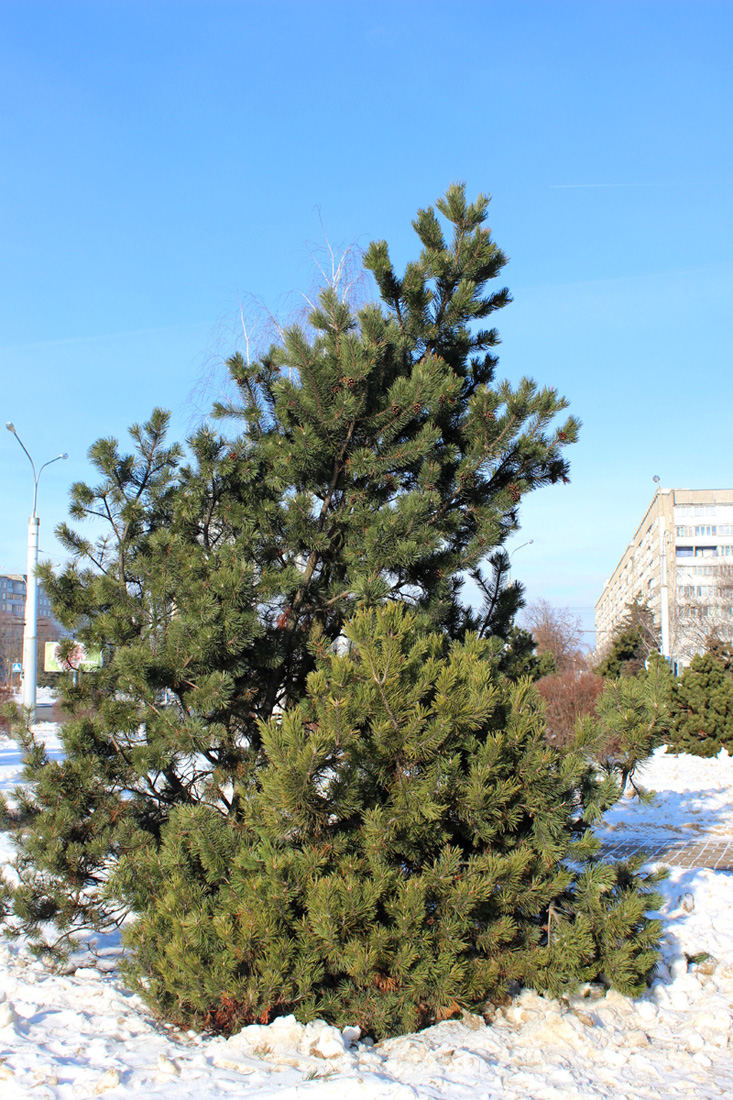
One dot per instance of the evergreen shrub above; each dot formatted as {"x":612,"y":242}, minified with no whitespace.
{"x":635,"y":639}
{"x":702,"y":705}
{"x":414,"y":847}
{"x":632,"y":719}
{"x":5,"y":697}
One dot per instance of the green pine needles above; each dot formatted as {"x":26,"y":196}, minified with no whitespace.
{"x":702,"y":704}
{"x":379,"y":836}
{"x":411,"y":850}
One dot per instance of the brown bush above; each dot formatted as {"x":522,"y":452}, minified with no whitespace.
{"x":568,"y":696}
{"x":6,"y":696}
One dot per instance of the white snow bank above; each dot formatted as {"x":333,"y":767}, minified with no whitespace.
{"x":692,"y":797}
{"x":11,"y":758}
{"x":45,"y":696}
{"x":81,"y":1035}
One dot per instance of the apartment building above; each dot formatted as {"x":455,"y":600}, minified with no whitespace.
{"x":12,"y":617}
{"x":680,"y":564}
{"x":12,"y":596}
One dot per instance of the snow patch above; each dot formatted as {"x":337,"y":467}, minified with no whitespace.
{"x":82,"y":1034}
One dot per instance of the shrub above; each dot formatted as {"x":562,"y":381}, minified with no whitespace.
{"x":414,"y":847}
{"x":632,"y":719}
{"x":568,"y":697}
{"x":6,"y":696}
{"x":635,"y":639}
{"x":702,"y":705}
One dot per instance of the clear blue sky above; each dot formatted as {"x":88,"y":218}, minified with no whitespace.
{"x":161,"y":161}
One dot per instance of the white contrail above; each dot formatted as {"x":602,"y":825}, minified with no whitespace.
{"x":565,"y":186}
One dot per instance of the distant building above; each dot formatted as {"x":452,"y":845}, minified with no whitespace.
{"x":12,"y":619}
{"x":12,"y":596}
{"x":680,"y":564}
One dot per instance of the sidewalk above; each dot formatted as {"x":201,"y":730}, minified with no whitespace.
{"x":714,"y":853}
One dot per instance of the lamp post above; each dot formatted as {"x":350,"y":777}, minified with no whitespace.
{"x":520,"y":547}
{"x":30,"y":626}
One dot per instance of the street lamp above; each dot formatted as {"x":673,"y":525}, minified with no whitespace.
{"x":521,"y":545}
{"x":509,"y":570}
{"x":30,"y":627}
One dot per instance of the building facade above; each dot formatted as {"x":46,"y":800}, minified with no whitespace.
{"x":680,"y":565}
{"x":12,"y":618}
{"x":12,"y":596}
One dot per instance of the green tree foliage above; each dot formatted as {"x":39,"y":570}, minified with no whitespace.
{"x":635,"y":638}
{"x":113,"y":784}
{"x":378,"y":459}
{"x":632,"y":718}
{"x":403,"y":858}
{"x":519,"y":659}
{"x":702,"y":705}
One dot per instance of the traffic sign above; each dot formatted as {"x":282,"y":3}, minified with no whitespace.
{"x":17,"y":666}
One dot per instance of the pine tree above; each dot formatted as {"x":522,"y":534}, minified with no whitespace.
{"x":414,"y":847}
{"x":519,"y":659}
{"x":378,"y":459}
{"x":635,"y":638}
{"x":632,"y":718}
{"x":266,"y":805}
{"x":79,"y":812}
{"x":702,"y":705}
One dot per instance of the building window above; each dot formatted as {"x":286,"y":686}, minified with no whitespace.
{"x":684,"y":551}
{"x":706,"y":530}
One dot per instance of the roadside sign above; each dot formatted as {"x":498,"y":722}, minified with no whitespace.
{"x":79,"y":658}
{"x":17,"y":666}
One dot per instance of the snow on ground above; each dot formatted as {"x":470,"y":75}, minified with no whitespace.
{"x":693,"y":798}
{"x":45,"y":696}
{"x":81,"y":1034}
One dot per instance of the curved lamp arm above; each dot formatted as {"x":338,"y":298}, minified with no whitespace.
{"x":36,"y":476}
